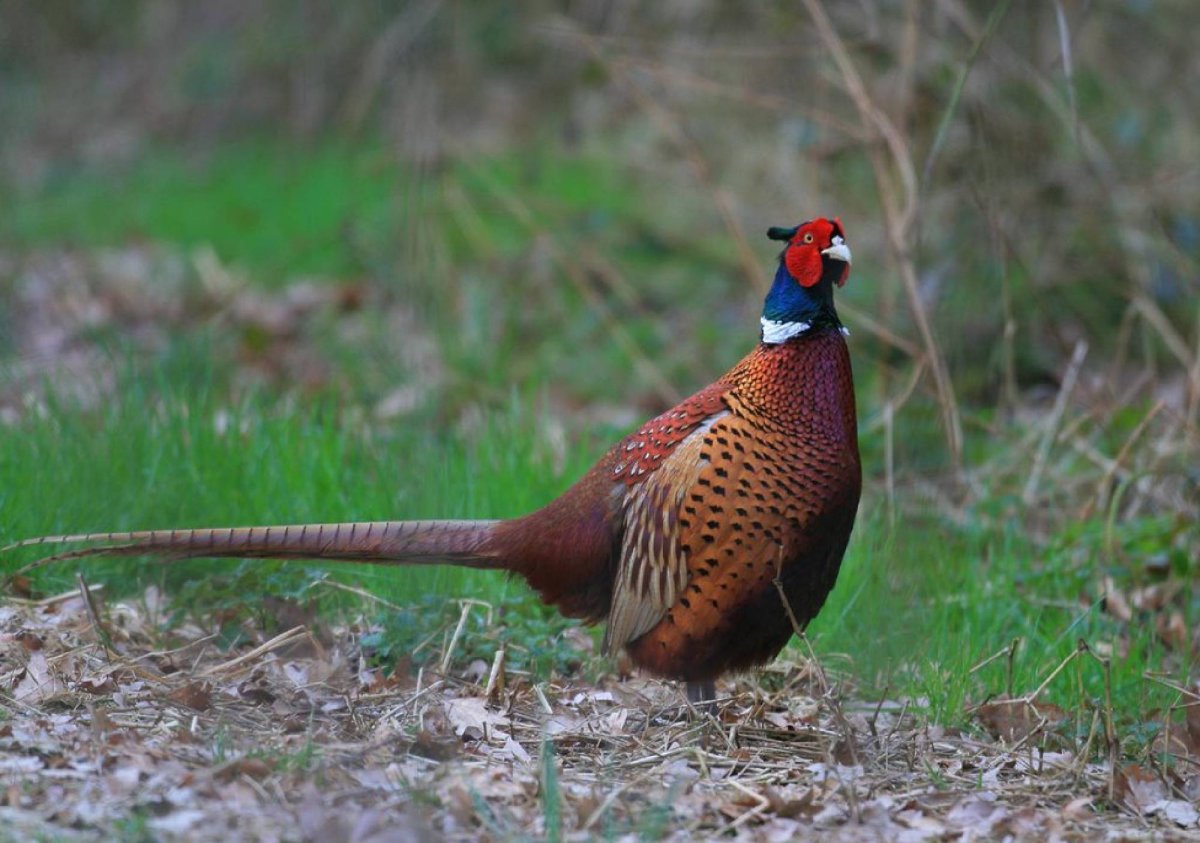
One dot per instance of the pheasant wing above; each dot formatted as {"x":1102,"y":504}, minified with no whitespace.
{"x":652,"y":569}
{"x":658,"y":465}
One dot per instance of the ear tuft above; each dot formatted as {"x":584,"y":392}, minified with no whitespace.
{"x":778,"y":233}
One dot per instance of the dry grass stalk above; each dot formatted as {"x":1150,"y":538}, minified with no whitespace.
{"x":448,"y":653}
{"x":396,"y":39}
{"x":361,"y":593}
{"x":283,"y":638}
{"x":495,"y":681}
{"x":1052,"y":422}
{"x":521,"y":212}
{"x":1103,"y":488}
{"x":742,"y":95}
{"x":89,"y":602}
{"x":671,"y":127}
{"x":899,"y":192}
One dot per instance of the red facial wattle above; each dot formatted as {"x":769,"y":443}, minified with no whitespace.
{"x":807,"y":247}
{"x":804,"y":262}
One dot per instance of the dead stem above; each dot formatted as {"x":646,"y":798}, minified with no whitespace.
{"x":262,"y":649}
{"x":89,"y":602}
{"x":1050,"y":426}
{"x":448,"y":653}
{"x":671,"y":127}
{"x":898,"y":190}
{"x":1103,"y":487}
{"x":520,"y":212}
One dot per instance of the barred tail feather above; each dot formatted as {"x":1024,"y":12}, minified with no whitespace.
{"x":380,"y":542}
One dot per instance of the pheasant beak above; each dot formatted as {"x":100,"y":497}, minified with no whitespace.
{"x":839,"y":251}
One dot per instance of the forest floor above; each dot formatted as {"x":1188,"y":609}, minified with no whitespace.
{"x":117,"y":729}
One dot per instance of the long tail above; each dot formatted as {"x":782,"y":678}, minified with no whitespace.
{"x":379,"y":542}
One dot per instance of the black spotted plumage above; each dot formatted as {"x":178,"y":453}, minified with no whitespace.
{"x":682,"y":535}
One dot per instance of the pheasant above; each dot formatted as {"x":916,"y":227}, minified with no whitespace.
{"x":702,"y":539}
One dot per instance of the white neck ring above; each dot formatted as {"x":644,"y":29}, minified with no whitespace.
{"x":776,"y":332}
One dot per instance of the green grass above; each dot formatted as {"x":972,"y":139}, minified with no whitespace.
{"x":279,"y":211}
{"x":914,"y":610}
{"x":445,"y":242}
{"x":918,"y":607}
{"x":332,"y":209}
{"x":159,"y":458}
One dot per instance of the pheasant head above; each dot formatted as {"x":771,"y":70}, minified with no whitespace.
{"x":815,"y":259}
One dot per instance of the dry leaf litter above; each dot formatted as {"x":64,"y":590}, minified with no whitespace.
{"x":295,"y":737}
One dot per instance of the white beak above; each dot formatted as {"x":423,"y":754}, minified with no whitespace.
{"x":839,"y":251}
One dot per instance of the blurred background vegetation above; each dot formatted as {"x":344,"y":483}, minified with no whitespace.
{"x":277,"y":261}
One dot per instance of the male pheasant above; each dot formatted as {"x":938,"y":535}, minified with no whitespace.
{"x":690,"y":534}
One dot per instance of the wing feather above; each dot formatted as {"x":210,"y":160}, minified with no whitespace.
{"x":652,"y":570}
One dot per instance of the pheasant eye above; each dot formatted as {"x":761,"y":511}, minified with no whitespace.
{"x":808,"y":238}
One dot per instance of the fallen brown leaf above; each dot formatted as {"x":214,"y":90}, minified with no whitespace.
{"x":1080,"y":808}
{"x":255,"y":768}
{"x":195,"y":695}
{"x":1139,"y":789}
{"x":29,"y":641}
{"x":782,"y":807}
{"x":1015,"y":720}
{"x":1192,"y":721}
{"x":38,"y":684}
{"x":1115,"y":603}
{"x":102,"y":724}
{"x":1172,"y":629}
{"x":436,"y":747}
{"x":21,"y":586}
